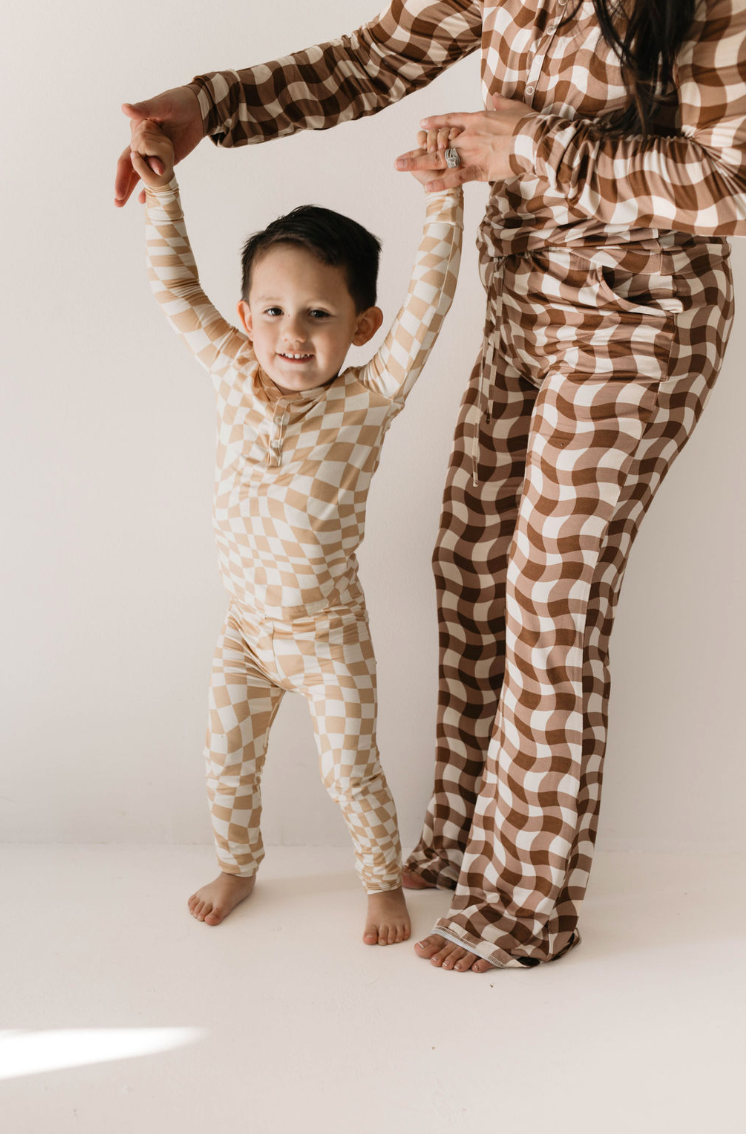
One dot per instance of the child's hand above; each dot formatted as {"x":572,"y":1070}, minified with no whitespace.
{"x":149,"y":142}
{"x":428,"y":142}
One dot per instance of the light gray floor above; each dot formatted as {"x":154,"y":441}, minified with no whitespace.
{"x":123,"y":1014}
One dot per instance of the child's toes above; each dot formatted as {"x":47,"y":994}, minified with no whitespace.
{"x":370,"y":936}
{"x":215,"y":916}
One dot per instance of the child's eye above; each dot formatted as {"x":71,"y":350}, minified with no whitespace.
{"x":317,"y":314}
{"x":273,"y":311}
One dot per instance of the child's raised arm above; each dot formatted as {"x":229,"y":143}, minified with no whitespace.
{"x":171,"y":268}
{"x":397,"y":365}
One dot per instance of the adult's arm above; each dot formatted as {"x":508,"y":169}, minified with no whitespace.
{"x":692,"y":182}
{"x":401,"y":50}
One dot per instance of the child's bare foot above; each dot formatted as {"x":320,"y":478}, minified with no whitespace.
{"x":412,"y":881}
{"x":216,"y":900}
{"x":388,"y":921}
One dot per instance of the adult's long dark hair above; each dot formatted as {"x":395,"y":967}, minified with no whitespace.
{"x":646,"y":35}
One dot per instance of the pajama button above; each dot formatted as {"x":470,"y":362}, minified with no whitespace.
{"x":530,"y":90}
{"x":276,"y":444}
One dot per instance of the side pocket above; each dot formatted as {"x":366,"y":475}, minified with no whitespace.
{"x":651,"y":295}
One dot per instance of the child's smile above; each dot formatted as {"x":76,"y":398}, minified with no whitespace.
{"x":301,"y":318}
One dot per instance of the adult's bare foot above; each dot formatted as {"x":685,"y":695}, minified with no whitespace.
{"x":445,"y":955}
{"x":213,"y":902}
{"x":412,"y":881}
{"x":387,"y":922}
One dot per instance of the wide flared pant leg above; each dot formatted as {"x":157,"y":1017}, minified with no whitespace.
{"x":330,"y":660}
{"x":243,"y":703}
{"x":470,"y":564}
{"x":598,"y":452}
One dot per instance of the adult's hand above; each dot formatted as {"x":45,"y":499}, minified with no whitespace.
{"x":178,"y":114}
{"x":484,"y":144}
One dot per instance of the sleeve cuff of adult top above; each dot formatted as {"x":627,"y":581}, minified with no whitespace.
{"x":540,"y":141}
{"x":218,"y":94}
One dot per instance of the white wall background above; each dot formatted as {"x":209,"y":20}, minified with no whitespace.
{"x":110,"y":600}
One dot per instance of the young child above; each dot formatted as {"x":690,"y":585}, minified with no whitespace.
{"x":299,"y":439}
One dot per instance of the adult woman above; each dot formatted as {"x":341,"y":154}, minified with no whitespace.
{"x":617,"y":145}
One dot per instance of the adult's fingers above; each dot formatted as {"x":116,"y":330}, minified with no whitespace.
{"x":444,"y":120}
{"x":415,"y":159}
{"x":126,"y":179}
{"x":154,"y":108}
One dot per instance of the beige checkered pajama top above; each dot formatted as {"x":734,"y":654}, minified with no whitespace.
{"x":293,"y":470}
{"x":609,"y":305}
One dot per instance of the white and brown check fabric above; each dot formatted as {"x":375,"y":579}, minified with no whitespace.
{"x":609,"y":304}
{"x":291,"y":485}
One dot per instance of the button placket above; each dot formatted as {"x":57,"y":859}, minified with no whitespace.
{"x":540,"y":54}
{"x":279,"y":421}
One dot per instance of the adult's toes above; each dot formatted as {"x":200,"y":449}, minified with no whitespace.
{"x":439,"y":957}
{"x":453,"y":955}
{"x":429,"y":946}
{"x":481,"y":966}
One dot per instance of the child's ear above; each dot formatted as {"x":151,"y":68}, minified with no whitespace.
{"x":368,"y":322}
{"x":244,"y":314}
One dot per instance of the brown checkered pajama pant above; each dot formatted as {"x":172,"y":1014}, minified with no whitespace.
{"x":594,"y":373}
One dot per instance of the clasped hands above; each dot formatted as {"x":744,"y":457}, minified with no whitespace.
{"x":484,"y":141}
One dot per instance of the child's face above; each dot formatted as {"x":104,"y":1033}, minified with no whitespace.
{"x":301,"y":318}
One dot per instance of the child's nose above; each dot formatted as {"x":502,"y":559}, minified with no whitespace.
{"x":294,"y":331}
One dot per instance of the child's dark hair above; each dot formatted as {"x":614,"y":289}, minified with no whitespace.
{"x":334,"y":238}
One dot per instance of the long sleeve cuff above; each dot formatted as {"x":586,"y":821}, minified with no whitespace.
{"x":161,"y":192}
{"x":212,"y":90}
{"x":165,"y":197}
{"x":447,"y":205}
{"x":532,"y":150}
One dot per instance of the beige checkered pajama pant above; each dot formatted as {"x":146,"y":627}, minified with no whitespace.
{"x":588,"y":393}
{"x":328,"y":658}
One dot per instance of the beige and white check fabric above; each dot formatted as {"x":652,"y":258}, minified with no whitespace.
{"x":292,"y":480}
{"x":293,"y":471}
{"x":329,"y":659}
